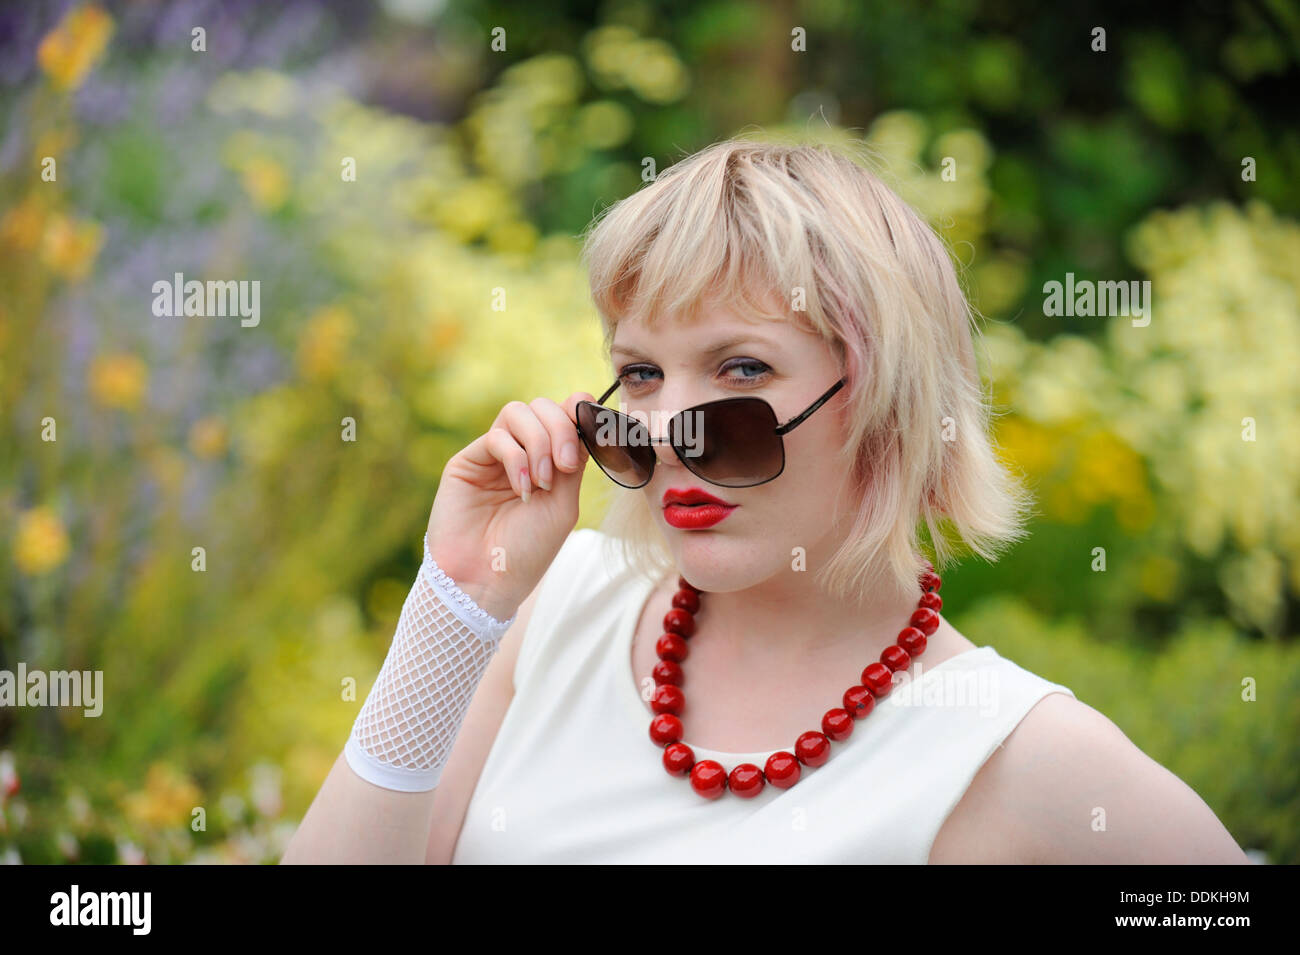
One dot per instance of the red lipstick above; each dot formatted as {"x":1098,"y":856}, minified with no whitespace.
{"x":694,"y":509}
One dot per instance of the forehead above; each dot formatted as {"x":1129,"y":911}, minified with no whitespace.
{"x":713,"y":328}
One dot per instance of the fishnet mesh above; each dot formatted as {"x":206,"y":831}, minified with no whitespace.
{"x":444,"y":641}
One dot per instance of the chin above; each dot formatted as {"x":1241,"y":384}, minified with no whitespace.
{"x":718,"y":562}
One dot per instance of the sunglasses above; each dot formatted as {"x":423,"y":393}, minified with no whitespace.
{"x":733,"y":442}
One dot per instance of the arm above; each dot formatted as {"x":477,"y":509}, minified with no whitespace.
{"x":377,"y":802}
{"x":482,"y":725}
{"x":1074,"y":789}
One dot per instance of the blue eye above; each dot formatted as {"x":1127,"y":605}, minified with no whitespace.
{"x":630,"y":375}
{"x":752,"y":363}
{"x":625,"y":376}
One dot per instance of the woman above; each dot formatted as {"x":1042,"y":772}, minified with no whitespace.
{"x":764,"y":676}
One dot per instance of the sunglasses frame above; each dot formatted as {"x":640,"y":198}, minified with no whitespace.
{"x":781,"y":431}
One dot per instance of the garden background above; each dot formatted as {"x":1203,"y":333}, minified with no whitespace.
{"x":1171,"y":156}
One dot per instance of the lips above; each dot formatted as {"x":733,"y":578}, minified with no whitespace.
{"x":691,"y":497}
{"x":694,"y":509}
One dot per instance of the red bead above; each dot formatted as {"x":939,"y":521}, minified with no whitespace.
{"x":878,"y":678}
{"x":930,"y":581}
{"x":931,"y":601}
{"x":782,"y":770}
{"x":679,"y":621}
{"x":925,"y":620}
{"x":667,"y":671}
{"x":895,"y":657}
{"x":708,"y":778}
{"x":746,"y":780}
{"x":667,"y":699}
{"x":912,"y":640}
{"x":812,"y":748}
{"x":683,"y":585}
{"x":859,"y":701}
{"x":671,"y":647}
{"x":837,"y":724}
{"x":665,"y":728}
{"x":678,"y":759}
{"x":689,"y":601}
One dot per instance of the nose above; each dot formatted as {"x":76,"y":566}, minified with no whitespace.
{"x":663,"y":449}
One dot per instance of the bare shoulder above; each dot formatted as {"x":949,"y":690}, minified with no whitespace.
{"x":1067,"y":786}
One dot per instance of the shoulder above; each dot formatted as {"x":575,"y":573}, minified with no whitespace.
{"x":1067,"y":786}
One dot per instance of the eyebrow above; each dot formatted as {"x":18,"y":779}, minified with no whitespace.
{"x":720,"y":346}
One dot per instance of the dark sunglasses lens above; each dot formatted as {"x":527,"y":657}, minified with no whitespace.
{"x":732,"y":443}
{"x":621,"y":448}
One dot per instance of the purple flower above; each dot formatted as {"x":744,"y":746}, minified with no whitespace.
{"x":103,"y":102}
{"x":180,"y":95}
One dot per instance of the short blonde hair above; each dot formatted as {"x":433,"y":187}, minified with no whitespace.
{"x":752,"y":224}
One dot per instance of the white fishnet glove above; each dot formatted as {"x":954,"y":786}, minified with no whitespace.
{"x":404,"y":733}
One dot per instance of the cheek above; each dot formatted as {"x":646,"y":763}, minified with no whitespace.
{"x":813,"y":458}
{"x":804,"y":493}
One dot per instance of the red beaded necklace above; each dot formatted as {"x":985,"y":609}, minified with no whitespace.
{"x":813,"y":748}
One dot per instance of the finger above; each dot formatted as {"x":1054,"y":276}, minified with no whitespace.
{"x":565,"y":446}
{"x":529,"y":431}
{"x":571,"y":410}
{"x":503,"y":447}
{"x":571,"y":404}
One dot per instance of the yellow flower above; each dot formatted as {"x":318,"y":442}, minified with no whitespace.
{"x":1028,"y":445}
{"x":472,"y":208}
{"x":654,"y":71}
{"x":514,"y":236}
{"x":117,"y":381}
{"x":53,"y":142}
{"x":208,"y":437}
{"x":23,"y":225}
{"x":1106,"y":468}
{"x":604,"y":124}
{"x":266,"y":181}
{"x":70,"y":50}
{"x":323,"y":343}
{"x":1063,"y":505}
{"x":168,"y":798}
{"x":442,"y":333}
{"x":71,"y":247}
{"x":41,"y":543}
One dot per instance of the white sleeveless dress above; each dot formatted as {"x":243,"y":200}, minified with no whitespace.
{"x":573,"y":776}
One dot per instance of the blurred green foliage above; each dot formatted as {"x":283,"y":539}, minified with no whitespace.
{"x":476,"y":170}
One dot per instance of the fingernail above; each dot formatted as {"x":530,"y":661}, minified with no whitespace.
{"x":525,"y":484}
{"x":544,"y":474}
{"x":569,"y":456}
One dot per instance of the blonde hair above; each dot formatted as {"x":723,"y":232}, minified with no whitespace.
{"x":743,"y":223}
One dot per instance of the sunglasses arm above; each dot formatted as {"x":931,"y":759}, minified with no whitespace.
{"x":799,"y":419}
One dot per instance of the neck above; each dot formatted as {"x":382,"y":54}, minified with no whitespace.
{"x":789,"y":617}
